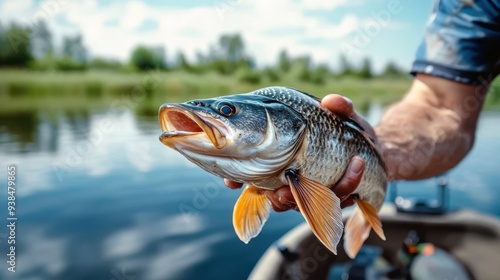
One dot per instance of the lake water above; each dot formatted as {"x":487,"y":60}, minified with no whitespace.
{"x":99,"y":197}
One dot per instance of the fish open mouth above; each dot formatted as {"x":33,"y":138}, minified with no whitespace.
{"x":178,"y":122}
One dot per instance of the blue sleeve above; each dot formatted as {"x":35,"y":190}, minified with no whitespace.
{"x":461,"y":41}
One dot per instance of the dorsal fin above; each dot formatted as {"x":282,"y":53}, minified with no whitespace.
{"x":305,"y":93}
{"x":351,"y":123}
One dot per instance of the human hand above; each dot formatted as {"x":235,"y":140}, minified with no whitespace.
{"x":282,"y":199}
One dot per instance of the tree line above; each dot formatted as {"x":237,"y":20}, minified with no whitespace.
{"x":33,"y":48}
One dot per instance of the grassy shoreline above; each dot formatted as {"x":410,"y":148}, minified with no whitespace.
{"x":22,"y":90}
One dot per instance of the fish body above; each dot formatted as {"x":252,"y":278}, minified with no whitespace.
{"x":281,"y":136}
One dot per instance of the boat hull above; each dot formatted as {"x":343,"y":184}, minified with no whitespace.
{"x":470,"y":237}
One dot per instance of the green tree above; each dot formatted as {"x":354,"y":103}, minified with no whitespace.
{"x":319,"y":75}
{"x":160,"y":54}
{"x":272,"y":74}
{"x":41,"y":40}
{"x":74,"y":49}
{"x":392,"y":70}
{"x":146,"y":58}
{"x":228,"y":55}
{"x":74,"y":54}
{"x":4,"y":41}
{"x":366,"y":69}
{"x":15,"y":46}
{"x":246,"y":75}
{"x":345,"y":66}
{"x":68,"y":64}
{"x":302,"y":66}
{"x":182,"y":62}
{"x":232,"y":48}
{"x":284,"y":62}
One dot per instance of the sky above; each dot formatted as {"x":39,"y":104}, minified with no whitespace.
{"x":384,"y":30}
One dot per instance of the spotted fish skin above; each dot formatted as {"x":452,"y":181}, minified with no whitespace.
{"x":330,"y":142}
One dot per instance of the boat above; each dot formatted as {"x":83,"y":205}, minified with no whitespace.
{"x":424,"y":241}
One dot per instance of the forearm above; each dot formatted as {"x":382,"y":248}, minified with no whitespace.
{"x":431,"y":129}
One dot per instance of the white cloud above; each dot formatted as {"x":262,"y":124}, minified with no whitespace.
{"x":133,"y":240}
{"x":16,"y":7}
{"x":33,"y":164}
{"x":173,"y":259}
{"x":323,"y":4}
{"x":193,"y":29}
{"x":135,"y":13}
{"x":42,"y":253}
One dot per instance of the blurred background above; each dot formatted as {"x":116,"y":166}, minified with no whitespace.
{"x":99,"y":197}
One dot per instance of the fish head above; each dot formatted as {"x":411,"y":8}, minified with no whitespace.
{"x":240,"y":137}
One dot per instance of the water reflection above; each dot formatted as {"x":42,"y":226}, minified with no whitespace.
{"x":101,"y":198}
{"x":19,"y":131}
{"x":32,"y":131}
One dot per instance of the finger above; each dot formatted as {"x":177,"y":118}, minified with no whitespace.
{"x":350,"y":181}
{"x":343,"y":106}
{"x":277,"y":206}
{"x":232,"y":184}
{"x":282,"y":199}
{"x":338,"y":104}
{"x":285,"y":197}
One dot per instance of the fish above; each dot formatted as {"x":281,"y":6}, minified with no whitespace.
{"x":279,"y":136}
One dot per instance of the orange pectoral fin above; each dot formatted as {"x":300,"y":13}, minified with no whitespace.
{"x":319,"y":206}
{"x":250,"y":213}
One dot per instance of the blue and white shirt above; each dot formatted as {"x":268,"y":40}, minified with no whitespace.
{"x":461,"y":41}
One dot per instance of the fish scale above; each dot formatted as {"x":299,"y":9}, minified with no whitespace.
{"x":328,"y":153}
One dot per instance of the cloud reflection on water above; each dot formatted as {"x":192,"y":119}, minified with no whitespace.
{"x":134,"y":239}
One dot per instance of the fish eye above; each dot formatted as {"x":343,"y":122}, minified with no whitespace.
{"x":226,"y":109}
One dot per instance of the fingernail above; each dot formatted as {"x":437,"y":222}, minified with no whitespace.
{"x":356,"y":166}
{"x":348,"y":100}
